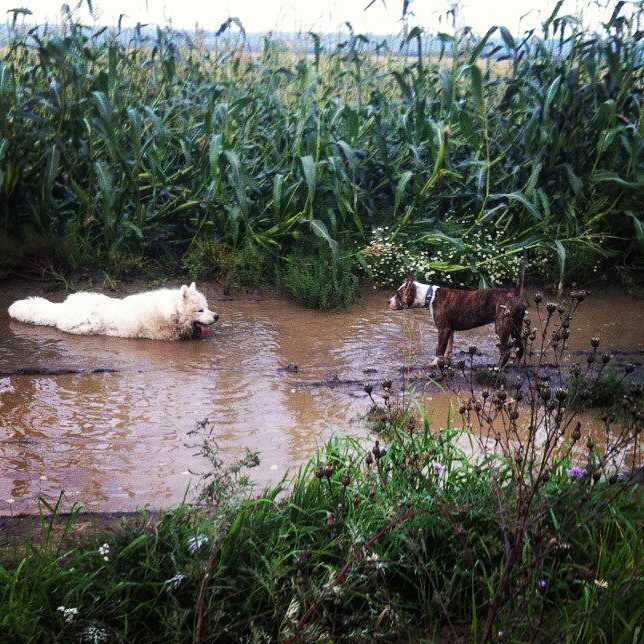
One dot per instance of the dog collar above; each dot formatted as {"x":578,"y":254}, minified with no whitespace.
{"x":429,"y":297}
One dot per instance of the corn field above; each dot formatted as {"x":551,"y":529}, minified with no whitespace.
{"x":113,"y":147}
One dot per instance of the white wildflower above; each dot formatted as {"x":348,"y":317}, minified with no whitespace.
{"x":68,"y":613}
{"x":174,"y":582}
{"x":104,"y":551}
{"x":195,"y":543}
{"x":95,"y":635}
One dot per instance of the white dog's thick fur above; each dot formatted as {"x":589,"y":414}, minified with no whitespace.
{"x":164,"y":314}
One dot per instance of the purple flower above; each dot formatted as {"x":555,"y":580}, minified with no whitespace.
{"x":575,"y":472}
{"x":541,"y":584}
{"x":438,"y":468}
{"x":501,"y":634}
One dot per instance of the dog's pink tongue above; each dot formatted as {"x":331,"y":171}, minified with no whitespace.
{"x":204,"y":330}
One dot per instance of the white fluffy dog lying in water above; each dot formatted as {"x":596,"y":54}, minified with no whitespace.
{"x":165,"y":314}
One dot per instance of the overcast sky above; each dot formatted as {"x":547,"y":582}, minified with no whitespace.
{"x":383,"y":17}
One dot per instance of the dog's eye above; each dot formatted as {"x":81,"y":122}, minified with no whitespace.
{"x":200,"y":311}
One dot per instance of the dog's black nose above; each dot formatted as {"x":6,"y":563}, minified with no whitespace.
{"x":216,"y":316}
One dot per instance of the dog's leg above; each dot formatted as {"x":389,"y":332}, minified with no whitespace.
{"x":503,"y":326}
{"x":80,"y":323}
{"x":450,"y":344}
{"x":516,"y":329}
{"x":518,"y":341}
{"x":444,"y":336}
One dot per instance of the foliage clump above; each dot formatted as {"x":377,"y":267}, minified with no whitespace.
{"x":608,"y":390}
{"x":210,"y":259}
{"x":320,"y":282}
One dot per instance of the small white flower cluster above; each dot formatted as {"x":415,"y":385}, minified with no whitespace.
{"x":95,"y":635}
{"x":104,"y":551}
{"x":174,"y":582}
{"x":195,"y":543}
{"x":68,"y":613}
{"x":390,"y":261}
{"x":375,"y":560}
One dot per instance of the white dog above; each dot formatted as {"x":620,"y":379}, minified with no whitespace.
{"x":164,"y":314}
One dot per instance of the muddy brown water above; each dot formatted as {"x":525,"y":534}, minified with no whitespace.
{"x":110,"y":421}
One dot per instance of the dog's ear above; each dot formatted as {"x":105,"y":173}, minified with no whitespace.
{"x":193,"y":287}
{"x":183,"y":292}
{"x":411,"y":278}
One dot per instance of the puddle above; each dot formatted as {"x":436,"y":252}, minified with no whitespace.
{"x":109,"y":421}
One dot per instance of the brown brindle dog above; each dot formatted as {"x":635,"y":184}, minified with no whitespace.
{"x":460,"y":310}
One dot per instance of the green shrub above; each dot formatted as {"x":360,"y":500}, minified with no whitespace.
{"x":254,"y":267}
{"x":249,"y":266}
{"x":320,"y":281}
{"x":490,"y":378}
{"x":121,"y":265}
{"x":582,"y":261}
{"x":209,"y":258}
{"x":34,"y":251}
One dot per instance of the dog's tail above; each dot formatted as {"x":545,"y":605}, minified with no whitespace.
{"x":524,"y":263}
{"x":35,"y":310}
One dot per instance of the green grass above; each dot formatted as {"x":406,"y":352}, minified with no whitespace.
{"x":606,"y":390}
{"x":320,"y":281}
{"x":387,"y":550}
{"x":148,"y":149}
